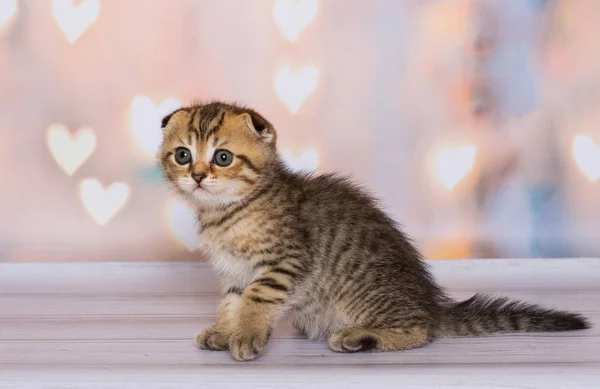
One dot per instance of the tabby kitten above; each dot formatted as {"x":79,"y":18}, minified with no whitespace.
{"x":317,"y":246}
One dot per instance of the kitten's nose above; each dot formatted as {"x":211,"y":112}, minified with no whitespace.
{"x":198,"y":177}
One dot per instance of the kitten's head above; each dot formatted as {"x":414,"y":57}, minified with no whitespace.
{"x":216,"y":154}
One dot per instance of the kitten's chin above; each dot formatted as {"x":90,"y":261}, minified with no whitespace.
{"x":213,"y":196}
{"x":203,"y":197}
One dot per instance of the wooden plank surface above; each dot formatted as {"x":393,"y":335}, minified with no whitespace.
{"x":131,"y":325}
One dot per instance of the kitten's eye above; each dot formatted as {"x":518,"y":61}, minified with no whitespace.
{"x":223,"y":158}
{"x":183,"y":156}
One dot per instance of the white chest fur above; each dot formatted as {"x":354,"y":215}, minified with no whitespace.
{"x":234,"y":271}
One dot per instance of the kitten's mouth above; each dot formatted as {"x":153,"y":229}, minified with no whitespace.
{"x":200,"y":188}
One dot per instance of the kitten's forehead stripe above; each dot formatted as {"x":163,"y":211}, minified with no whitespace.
{"x":190,"y":123}
{"x":213,"y":130}
{"x":192,"y":127}
{"x":208,"y":115}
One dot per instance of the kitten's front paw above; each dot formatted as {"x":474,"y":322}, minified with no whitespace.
{"x":245,"y":345}
{"x":213,"y":339}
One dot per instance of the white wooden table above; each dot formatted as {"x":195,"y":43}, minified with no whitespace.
{"x":131,"y":325}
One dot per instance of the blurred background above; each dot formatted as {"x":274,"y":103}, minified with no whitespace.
{"x":474,"y":121}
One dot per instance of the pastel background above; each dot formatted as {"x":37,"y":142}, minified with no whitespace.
{"x":476,"y":122}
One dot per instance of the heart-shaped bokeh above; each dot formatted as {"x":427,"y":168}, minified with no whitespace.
{"x":293,"y":16}
{"x":306,"y":161}
{"x":70,"y":151}
{"x":73,"y":19}
{"x":587,"y":155}
{"x":183,"y":224}
{"x":453,"y":163}
{"x":8,"y":9}
{"x":145,"y":122}
{"x":103,"y":203}
{"x":294,"y":87}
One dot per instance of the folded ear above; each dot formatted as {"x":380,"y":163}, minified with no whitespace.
{"x":166,"y":119}
{"x":260,"y":126}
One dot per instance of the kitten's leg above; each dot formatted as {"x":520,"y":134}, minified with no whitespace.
{"x":353,"y":339}
{"x":217,"y":336}
{"x":261,"y":303}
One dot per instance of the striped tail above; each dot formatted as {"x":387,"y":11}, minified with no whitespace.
{"x":482,"y":315}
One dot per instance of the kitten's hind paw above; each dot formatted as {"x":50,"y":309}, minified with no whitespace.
{"x":213,"y":339}
{"x":351,"y":340}
{"x":354,"y":339}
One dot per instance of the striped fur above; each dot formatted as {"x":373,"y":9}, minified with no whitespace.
{"x":316,"y":246}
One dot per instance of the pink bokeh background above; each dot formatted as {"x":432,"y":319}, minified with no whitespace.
{"x":398,"y":83}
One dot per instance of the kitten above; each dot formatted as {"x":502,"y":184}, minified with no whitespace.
{"x":317,"y":246}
